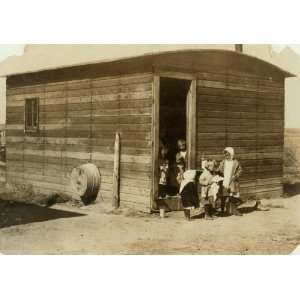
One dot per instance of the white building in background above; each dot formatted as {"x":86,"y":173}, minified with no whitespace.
{"x":41,"y":57}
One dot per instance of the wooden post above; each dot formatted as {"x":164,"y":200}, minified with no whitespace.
{"x":191,"y":125}
{"x":155,"y":141}
{"x":116,"y":173}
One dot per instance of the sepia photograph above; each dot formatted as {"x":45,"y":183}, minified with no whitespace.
{"x":149,"y":149}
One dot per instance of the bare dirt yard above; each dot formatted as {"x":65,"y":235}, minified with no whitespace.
{"x":65,"y":229}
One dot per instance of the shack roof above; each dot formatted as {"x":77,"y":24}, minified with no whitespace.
{"x":192,"y":61}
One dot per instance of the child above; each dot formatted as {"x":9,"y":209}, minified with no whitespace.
{"x":231,"y":170}
{"x":203,"y":161}
{"x":188,"y":192}
{"x":209,"y":182}
{"x":163,"y":172}
{"x":180,"y":160}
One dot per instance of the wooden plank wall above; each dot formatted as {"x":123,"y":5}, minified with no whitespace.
{"x":78,"y":122}
{"x":2,"y":172}
{"x":246,"y":113}
{"x":2,"y":156}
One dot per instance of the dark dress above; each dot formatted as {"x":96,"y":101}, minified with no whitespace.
{"x":189,"y":196}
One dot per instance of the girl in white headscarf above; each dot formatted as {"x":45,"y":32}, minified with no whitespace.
{"x":188,"y":192}
{"x":231,"y":170}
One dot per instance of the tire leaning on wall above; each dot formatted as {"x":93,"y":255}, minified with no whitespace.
{"x":85,"y":180}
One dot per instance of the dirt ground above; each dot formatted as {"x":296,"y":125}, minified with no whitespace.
{"x":64,"y":229}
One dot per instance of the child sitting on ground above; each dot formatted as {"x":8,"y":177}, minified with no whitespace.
{"x":209,"y":182}
{"x":163,"y":172}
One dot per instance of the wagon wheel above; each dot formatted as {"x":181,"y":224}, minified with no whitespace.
{"x":85,"y":181}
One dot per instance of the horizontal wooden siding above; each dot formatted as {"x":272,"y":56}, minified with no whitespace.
{"x":78,"y":122}
{"x":246,"y":113}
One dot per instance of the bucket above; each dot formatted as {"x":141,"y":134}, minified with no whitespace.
{"x":162,"y":212}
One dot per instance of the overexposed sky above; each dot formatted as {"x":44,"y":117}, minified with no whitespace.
{"x":8,"y":50}
{"x":279,"y":47}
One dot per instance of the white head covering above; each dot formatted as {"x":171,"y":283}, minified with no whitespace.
{"x":230,"y":150}
{"x":228,"y":167}
{"x":188,"y":176}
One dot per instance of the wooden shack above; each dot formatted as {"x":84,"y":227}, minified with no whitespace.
{"x":2,"y":153}
{"x":60,"y":118}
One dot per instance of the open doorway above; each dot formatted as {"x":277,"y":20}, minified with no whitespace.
{"x":173,"y":122}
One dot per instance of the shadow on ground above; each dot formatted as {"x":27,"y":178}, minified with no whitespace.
{"x":244,"y":210}
{"x":247,"y":209}
{"x":291,"y":189}
{"x":15,"y":213}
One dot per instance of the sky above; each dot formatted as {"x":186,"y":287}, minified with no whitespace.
{"x":279,"y":47}
{"x":7,"y":50}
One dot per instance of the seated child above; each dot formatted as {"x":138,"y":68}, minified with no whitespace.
{"x":188,"y":192}
{"x":209,"y":182}
{"x":163,"y":172}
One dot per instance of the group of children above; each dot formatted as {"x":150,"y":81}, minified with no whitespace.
{"x":171,"y":171}
{"x":219,"y":183}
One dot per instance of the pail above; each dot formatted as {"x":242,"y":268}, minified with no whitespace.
{"x":162,"y":212}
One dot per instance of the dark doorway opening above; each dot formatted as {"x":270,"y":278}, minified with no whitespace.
{"x":172,"y":123}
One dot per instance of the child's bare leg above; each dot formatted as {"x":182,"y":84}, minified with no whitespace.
{"x":223,"y":202}
{"x":228,"y":206}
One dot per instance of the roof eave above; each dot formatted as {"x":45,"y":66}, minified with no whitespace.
{"x":285,"y":73}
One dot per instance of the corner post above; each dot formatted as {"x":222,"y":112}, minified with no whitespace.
{"x":192,"y":125}
{"x":155,"y":141}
